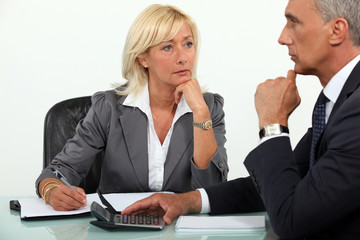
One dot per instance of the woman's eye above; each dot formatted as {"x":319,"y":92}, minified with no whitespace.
{"x":167,"y":48}
{"x":189,"y":44}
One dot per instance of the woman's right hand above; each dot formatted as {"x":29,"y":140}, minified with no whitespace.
{"x":62,"y":198}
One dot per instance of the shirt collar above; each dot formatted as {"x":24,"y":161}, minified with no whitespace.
{"x":334,"y":87}
{"x":142,"y":102}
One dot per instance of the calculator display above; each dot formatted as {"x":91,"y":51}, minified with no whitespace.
{"x":99,"y":212}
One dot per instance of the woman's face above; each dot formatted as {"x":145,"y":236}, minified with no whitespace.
{"x":171,"y":62}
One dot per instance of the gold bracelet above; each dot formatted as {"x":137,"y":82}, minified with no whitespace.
{"x":43,"y":188}
{"x":50,"y":186}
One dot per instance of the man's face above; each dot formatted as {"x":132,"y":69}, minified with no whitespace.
{"x":307,"y":37}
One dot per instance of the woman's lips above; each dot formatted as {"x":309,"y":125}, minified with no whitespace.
{"x":182,"y":72}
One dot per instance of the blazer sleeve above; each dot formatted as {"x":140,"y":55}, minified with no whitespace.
{"x":217,"y":170}
{"x":235,"y":196}
{"x":78,"y":154}
{"x":328,"y":194}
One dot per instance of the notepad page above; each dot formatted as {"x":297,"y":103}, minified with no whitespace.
{"x":36,"y":207}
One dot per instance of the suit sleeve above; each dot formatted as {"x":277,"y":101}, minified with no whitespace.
{"x":218,"y":168}
{"x":301,"y":204}
{"x":78,"y":154}
{"x":235,"y":196}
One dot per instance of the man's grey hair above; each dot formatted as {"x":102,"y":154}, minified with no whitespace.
{"x":348,"y":9}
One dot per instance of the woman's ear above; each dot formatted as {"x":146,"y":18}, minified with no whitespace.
{"x":142,"y":60}
{"x":339,"y":30}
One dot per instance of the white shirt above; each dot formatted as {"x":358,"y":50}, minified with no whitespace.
{"x":333,"y":88}
{"x":156,"y":152}
{"x":331,"y":91}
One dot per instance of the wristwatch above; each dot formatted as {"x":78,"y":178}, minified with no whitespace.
{"x":273,"y":129}
{"x":204,"y":125}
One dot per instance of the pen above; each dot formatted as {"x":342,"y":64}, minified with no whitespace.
{"x":63,"y":179}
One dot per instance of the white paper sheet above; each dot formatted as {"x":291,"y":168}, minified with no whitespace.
{"x":120,"y":201}
{"x":220,"y":224}
{"x":36,"y":207}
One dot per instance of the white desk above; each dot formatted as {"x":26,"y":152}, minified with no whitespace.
{"x":79,"y":228}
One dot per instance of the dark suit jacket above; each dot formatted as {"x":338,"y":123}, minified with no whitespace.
{"x":321,"y":203}
{"x":121,"y":133}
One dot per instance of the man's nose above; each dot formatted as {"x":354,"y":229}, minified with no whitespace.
{"x":284,"y":38}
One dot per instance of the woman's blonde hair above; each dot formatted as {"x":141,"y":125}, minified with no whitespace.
{"x":156,"y":24}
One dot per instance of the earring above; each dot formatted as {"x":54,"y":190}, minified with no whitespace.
{"x":146,"y":66}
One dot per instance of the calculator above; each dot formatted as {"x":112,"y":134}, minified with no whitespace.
{"x":109,"y":220}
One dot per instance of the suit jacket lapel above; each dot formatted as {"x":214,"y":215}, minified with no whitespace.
{"x":351,"y":84}
{"x":134,"y":126}
{"x":181,"y":138}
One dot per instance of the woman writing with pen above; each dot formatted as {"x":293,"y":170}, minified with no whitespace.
{"x":158,"y":131}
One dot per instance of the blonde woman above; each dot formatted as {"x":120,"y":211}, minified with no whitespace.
{"x":158,"y":131}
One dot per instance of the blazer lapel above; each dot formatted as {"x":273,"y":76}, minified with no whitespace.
{"x":134,"y":126}
{"x":181,"y":138}
{"x":351,"y":84}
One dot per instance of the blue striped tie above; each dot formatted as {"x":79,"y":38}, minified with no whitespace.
{"x":318,"y":123}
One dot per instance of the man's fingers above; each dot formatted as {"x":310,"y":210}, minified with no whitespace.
{"x":291,"y":75}
{"x":138,"y":207}
{"x":169,"y":217}
{"x":134,"y":208}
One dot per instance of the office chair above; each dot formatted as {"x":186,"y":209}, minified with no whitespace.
{"x":60,"y":123}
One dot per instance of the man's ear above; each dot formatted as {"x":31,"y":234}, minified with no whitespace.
{"x":339,"y":30}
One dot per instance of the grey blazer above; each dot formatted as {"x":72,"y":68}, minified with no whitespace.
{"x":121,"y":133}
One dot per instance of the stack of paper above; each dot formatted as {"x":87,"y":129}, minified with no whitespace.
{"x":187,"y":224}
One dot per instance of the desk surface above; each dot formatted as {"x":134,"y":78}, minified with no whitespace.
{"x":12,"y":227}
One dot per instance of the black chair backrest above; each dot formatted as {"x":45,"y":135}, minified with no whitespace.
{"x":60,"y":124}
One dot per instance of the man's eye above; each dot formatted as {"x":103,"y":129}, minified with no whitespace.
{"x":293,"y":20}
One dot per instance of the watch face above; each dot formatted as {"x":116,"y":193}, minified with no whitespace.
{"x":272,"y":129}
{"x":208,"y":124}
